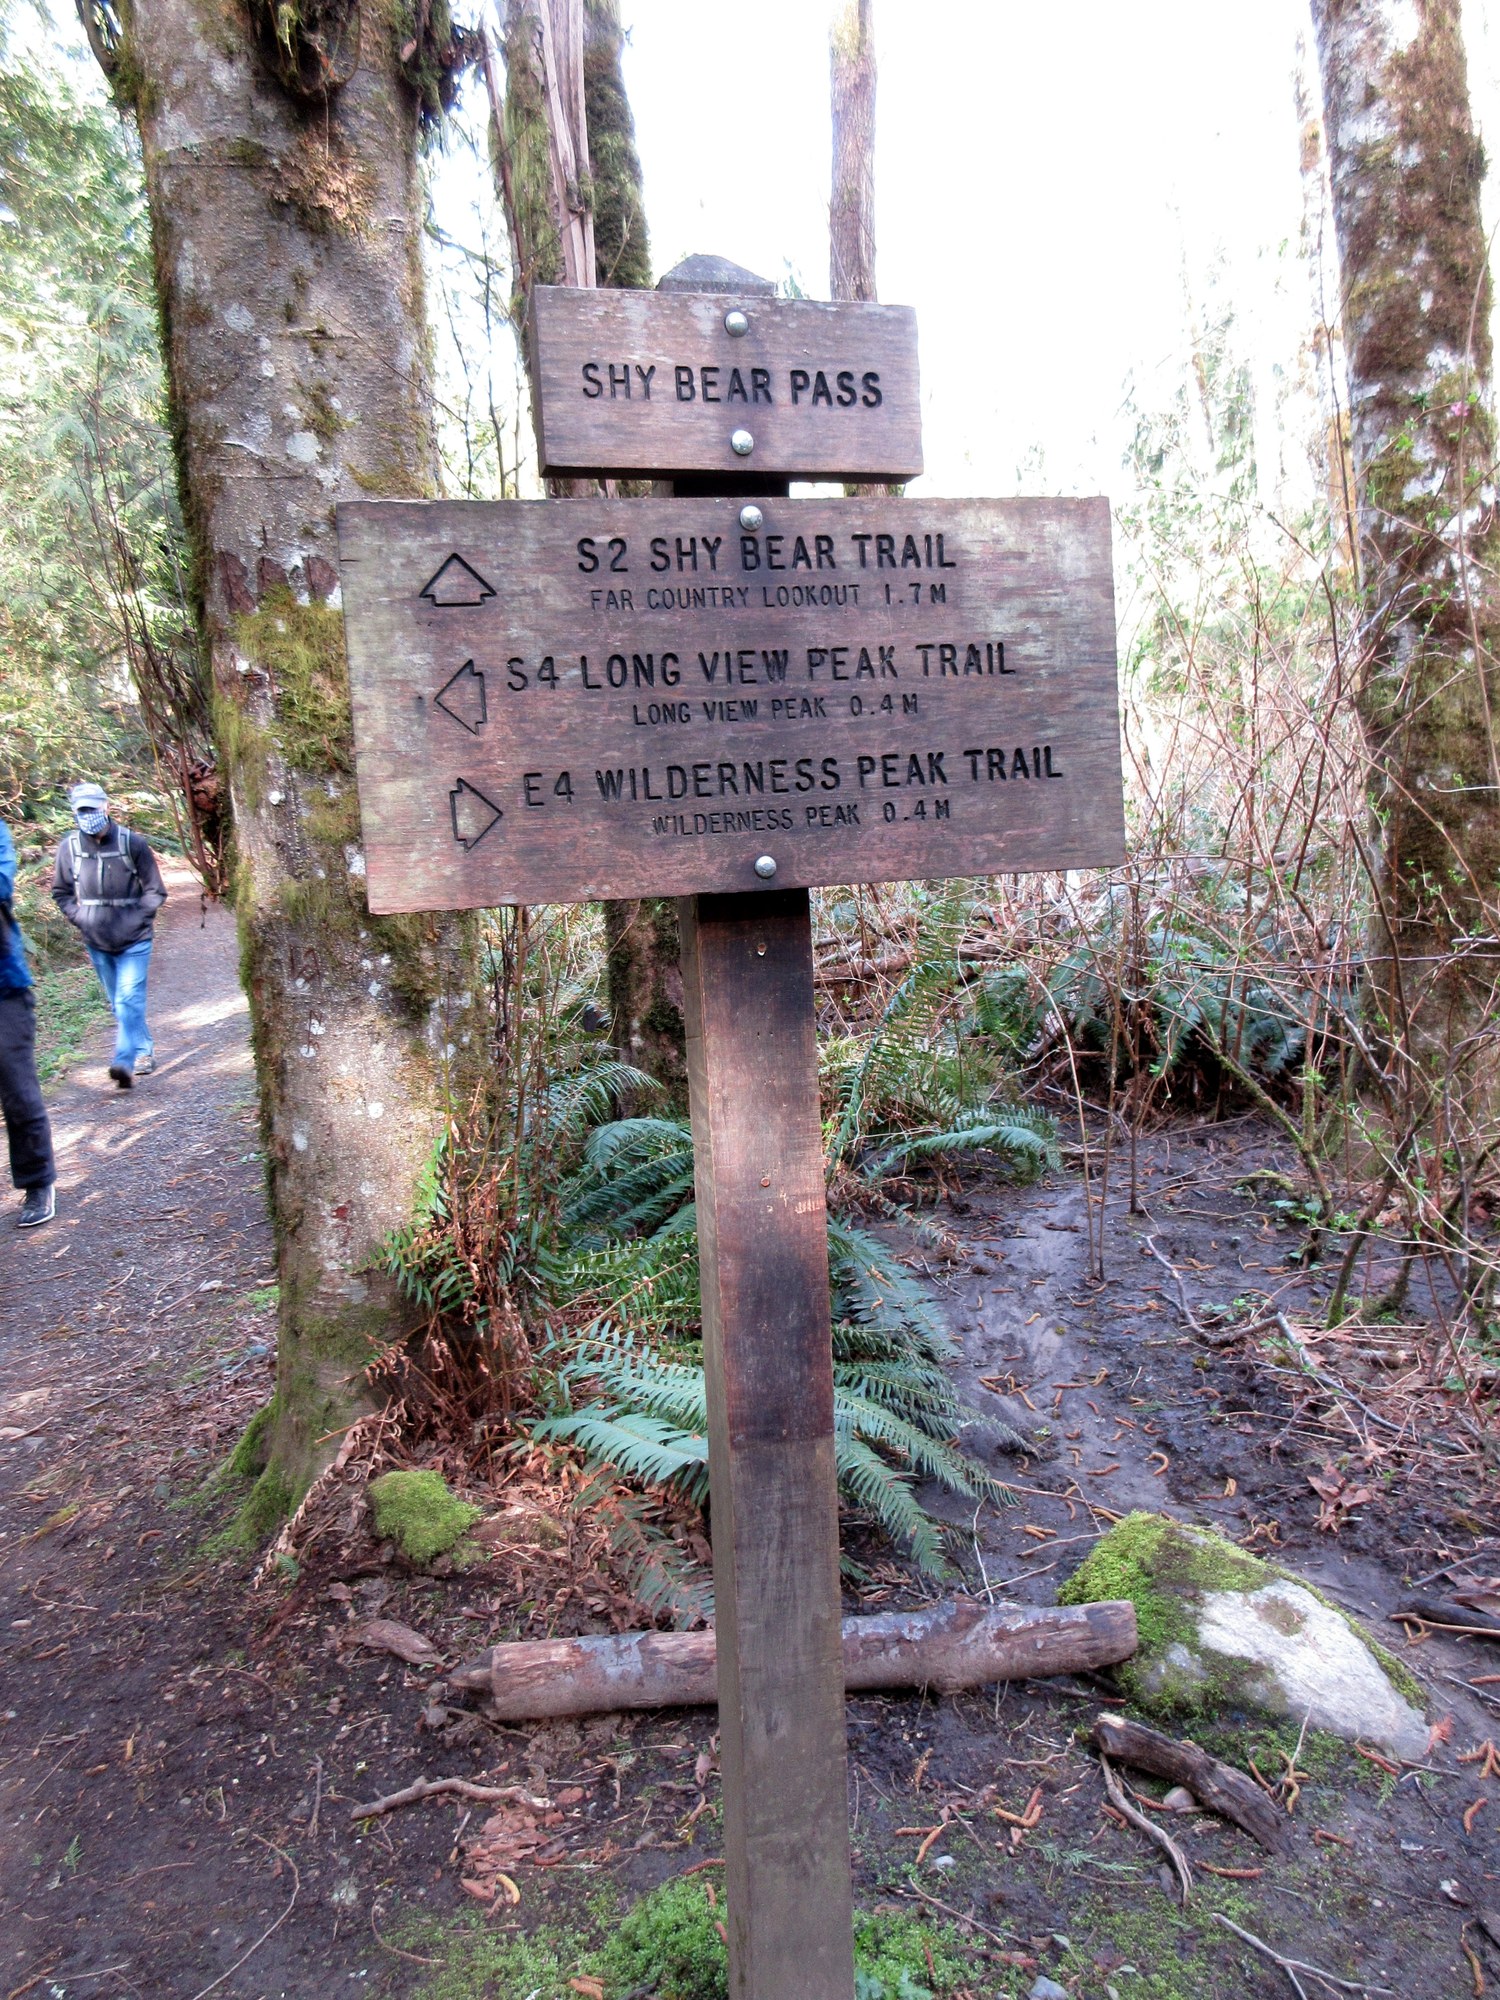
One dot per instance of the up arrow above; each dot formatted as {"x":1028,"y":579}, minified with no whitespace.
{"x":462,"y":697}
{"x":473,"y":814}
{"x":456,"y":583}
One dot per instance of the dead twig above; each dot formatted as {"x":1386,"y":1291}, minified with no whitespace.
{"x":464,"y":1788}
{"x":1159,"y":1834}
{"x":1292,"y":1966}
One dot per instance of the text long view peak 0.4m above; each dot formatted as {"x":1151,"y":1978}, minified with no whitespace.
{"x":554,"y":703}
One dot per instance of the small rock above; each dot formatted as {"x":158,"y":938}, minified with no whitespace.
{"x":1044,"y":1988}
{"x":1179,"y":1800}
{"x":943,"y":1861}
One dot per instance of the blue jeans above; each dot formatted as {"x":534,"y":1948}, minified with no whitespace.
{"x":122,"y":974}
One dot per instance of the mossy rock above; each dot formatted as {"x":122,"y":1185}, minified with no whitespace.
{"x":1224,"y":1634}
{"x":417,"y":1512}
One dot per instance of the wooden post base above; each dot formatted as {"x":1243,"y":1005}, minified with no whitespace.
{"x":762,"y":1230}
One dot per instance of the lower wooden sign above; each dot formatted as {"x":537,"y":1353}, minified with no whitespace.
{"x":557,"y":701}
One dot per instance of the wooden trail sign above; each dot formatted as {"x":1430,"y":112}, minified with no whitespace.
{"x":555,"y":702}
{"x":672,"y":381}
{"x":582,"y":699}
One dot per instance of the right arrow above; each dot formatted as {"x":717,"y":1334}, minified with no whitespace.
{"x":473,"y":814}
{"x":462,"y":697}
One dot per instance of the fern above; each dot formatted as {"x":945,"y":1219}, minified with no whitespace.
{"x":924,"y":1084}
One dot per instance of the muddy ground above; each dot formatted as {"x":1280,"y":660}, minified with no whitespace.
{"x":180,"y":1752}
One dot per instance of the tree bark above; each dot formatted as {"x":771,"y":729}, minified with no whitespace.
{"x":640,"y":937}
{"x":1406,"y":172}
{"x":957,"y":1644}
{"x":851,"y":209}
{"x":287,"y":236}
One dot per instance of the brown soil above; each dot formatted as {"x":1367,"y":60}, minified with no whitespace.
{"x":180,"y":1751}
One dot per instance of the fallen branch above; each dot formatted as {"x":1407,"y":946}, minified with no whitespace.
{"x":1219,"y":1787}
{"x":1154,"y":1832}
{"x":1292,"y":1966}
{"x":464,"y":1788}
{"x":956,"y":1644}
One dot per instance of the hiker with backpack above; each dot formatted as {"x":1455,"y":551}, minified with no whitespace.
{"x":27,"y":1131}
{"x":108,"y":886}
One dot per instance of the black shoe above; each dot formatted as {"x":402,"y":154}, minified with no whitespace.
{"x":39,"y":1206}
{"x":121,"y":1075}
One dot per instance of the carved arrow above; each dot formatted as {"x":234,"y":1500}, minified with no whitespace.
{"x":456,"y":583}
{"x":473,"y":814}
{"x":462,"y":697}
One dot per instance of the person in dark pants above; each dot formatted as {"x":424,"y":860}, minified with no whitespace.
{"x":108,"y":886}
{"x":26,"y":1127}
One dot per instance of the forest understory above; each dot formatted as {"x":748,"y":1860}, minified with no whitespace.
{"x":187,"y":1733}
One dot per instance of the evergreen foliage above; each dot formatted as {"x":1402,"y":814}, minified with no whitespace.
{"x":91,"y":547}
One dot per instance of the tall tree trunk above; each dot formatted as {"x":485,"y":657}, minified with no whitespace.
{"x":641,"y":941}
{"x":286,"y":226}
{"x":851,"y":209}
{"x":1406,"y":173}
{"x":851,"y":206}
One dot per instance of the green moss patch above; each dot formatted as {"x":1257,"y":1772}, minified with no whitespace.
{"x":667,"y":1945}
{"x":301,"y":648}
{"x":417,"y":1512}
{"x":249,"y":1457}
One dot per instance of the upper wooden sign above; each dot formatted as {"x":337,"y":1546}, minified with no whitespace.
{"x":674,"y":381}
{"x":562,"y":701}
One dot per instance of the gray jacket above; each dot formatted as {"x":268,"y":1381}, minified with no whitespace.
{"x":110,"y":888}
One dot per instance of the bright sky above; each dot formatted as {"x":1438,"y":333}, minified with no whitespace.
{"x":1054,"y":188}
{"x":1062,"y":192}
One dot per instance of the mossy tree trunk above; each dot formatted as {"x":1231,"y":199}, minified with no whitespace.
{"x":641,"y":940}
{"x":287,"y":238}
{"x":1406,"y":171}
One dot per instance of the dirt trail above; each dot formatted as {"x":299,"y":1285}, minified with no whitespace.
{"x":180,"y":1752}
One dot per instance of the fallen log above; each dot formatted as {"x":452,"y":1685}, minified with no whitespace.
{"x":956,"y":1644}
{"x":1225,"y":1791}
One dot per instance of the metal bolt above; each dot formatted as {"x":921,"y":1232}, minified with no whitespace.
{"x":765,"y":866}
{"x":736,"y":325}
{"x":741,"y":442}
{"x":751,"y":520}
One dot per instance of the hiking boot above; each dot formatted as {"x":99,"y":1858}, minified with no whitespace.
{"x":39,"y":1206}
{"x":145,"y":1064}
{"x":120,"y":1075}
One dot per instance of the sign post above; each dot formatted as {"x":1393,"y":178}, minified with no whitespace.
{"x":731,"y":699}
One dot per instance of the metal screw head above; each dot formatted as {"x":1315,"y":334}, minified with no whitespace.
{"x":751,"y":520}
{"x":765,"y":866}
{"x":742,"y":443}
{"x":736,"y":324}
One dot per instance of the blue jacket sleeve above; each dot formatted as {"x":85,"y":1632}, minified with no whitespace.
{"x":7,"y":864}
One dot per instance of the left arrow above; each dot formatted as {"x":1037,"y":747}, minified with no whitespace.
{"x":473,"y":814}
{"x":462,"y":697}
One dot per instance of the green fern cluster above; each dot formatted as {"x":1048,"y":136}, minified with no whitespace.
{"x":921,"y":1084}
{"x":1164,"y":991}
{"x":630,"y":1393}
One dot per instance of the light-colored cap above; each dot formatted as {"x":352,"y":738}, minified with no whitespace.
{"x":88,"y":797}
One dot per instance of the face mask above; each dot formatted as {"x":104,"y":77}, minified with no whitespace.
{"x":92,"y":823}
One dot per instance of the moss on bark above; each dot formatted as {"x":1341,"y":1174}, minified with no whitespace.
{"x":1406,"y":172}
